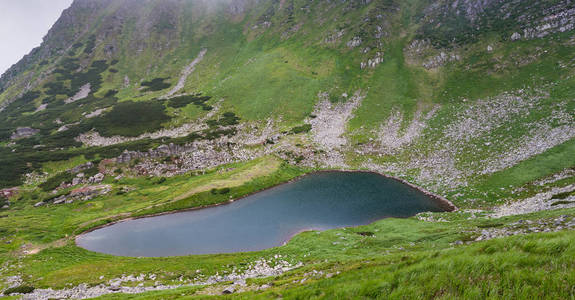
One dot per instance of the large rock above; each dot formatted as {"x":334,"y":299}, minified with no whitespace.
{"x":229,"y":290}
{"x":98,"y":178}
{"x":24,"y":132}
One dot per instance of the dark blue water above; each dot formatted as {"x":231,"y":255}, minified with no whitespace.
{"x":267,"y":219}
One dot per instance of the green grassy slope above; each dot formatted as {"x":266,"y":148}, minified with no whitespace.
{"x":455,"y":106}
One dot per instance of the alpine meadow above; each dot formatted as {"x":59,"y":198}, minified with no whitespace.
{"x":397,"y":149}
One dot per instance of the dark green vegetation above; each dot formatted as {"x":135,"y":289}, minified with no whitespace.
{"x":301,"y":129}
{"x":220,"y":191}
{"x":22,"y":289}
{"x":156,"y":84}
{"x":3,"y":201}
{"x":182,"y":101}
{"x":132,"y":119}
{"x":563,"y":195}
{"x":227,"y":119}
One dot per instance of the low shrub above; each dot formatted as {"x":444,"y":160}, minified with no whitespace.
{"x":55,"y":181}
{"x":182,"y":101}
{"x":23,"y":289}
{"x":301,"y":129}
{"x":221,"y":191}
{"x":156,"y":84}
{"x":563,"y":195}
{"x":217,"y":133}
{"x":110,"y":93}
{"x":90,"y":44}
{"x":131,"y":119}
{"x":3,"y":201}
{"x":227,"y":119}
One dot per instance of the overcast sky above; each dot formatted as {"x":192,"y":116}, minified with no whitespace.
{"x":23,"y":24}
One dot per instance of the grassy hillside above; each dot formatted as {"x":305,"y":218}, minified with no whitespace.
{"x":160,"y":102}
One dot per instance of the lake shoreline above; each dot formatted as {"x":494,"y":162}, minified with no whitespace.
{"x":445,"y":204}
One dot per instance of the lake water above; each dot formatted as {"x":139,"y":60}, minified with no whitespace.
{"x":266,"y":219}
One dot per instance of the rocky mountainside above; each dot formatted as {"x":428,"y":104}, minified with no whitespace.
{"x":451,"y":95}
{"x":132,"y":108}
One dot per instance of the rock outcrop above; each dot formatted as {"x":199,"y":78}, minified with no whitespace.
{"x":23,"y":132}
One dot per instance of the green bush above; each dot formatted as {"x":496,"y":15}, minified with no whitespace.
{"x":23,"y":289}
{"x":213,"y":134}
{"x":156,"y":84}
{"x":92,"y":76}
{"x":90,"y":45}
{"x":563,"y":195}
{"x":131,"y":119}
{"x":227,"y":119}
{"x":221,"y":191}
{"x":182,"y":101}
{"x":3,"y":201}
{"x":301,"y":129}
{"x":23,"y":104}
{"x":55,"y":181}
{"x":111,"y":93}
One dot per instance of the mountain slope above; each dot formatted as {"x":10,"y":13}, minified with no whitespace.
{"x":473,"y":100}
{"x":425,"y":73}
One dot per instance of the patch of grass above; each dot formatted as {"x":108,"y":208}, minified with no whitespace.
{"x":551,"y":161}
